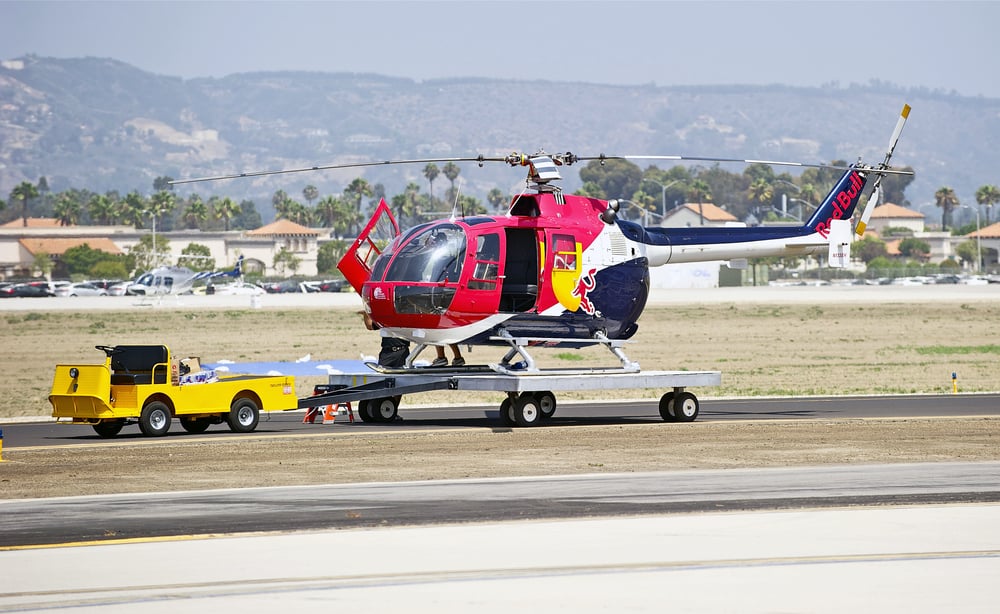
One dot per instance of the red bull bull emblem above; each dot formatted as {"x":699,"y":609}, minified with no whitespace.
{"x":583,"y":288}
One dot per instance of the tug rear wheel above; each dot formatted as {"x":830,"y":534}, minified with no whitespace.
{"x":243,"y":416}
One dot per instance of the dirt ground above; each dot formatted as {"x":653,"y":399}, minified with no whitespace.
{"x":762,"y":350}
{"x":337,"y":456}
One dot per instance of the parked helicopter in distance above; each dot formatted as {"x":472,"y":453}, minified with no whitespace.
{"x":168,"y":280}
{"x":560,"y":269}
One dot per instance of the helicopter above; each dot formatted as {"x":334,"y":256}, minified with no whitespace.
{"x":557,"y":269}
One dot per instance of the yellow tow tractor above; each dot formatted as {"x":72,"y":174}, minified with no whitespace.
{"x":145,"y":384}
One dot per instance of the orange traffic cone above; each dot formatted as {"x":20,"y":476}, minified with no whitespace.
{"x":330,"y":414}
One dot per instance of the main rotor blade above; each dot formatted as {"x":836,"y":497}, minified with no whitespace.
{"x":740,"y":160}
{"x":480,"y":159}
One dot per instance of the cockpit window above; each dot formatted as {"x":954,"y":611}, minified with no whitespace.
{"x":434,"y":255}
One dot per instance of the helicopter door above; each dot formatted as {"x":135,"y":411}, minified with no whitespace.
{"x":520,"y":282}
{"x":485,"y":278}
{"x":566,"y":256}
{"x":356,"y":265}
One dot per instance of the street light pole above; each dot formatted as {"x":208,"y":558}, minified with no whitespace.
{"x":663,"y":193}
{"x":979,"y":241}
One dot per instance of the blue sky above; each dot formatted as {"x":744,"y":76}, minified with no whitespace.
{"x":949,"y":46}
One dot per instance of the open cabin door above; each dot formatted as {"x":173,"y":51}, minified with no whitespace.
{"x":519,"y":291}
{"x":357,"y":263}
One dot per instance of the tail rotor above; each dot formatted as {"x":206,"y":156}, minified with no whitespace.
{"x":877,"y":190}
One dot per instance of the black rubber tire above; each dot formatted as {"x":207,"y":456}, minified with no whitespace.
{"x":154,"y":421}
{"x":506,"y":413}
{"x":384,"y":410}
{"x":365,"y":412}
{"x":666,"y":407}
{"x":526,"y":411}
{"x":243,"y":415}
{"x":195,"y":425}
{"x":109,"y":428}
{"x":685,"y":407}
{"x":546,"y":403}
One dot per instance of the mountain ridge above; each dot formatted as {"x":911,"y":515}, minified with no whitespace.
{"x":102,"y":124}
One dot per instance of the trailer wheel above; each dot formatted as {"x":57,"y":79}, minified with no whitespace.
{"x":666,"y":407}
{"x":384,"y":409}
{"x":685,"y":407}
{"x":243,"y":416}
{"x":109,"y":428}
{"x":546,"y":403}
{"x":507,"y":412}
{"x":195,"y":425}
{"x":364,"y":410}
{"x":526,"y":410}
{"x":154,"y":421}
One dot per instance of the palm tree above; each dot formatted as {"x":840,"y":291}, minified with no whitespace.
{"x":67,"y":209}
{"x":431,"y":172}
{"x":24,"y":191}
{"x":226,"y":210}
{"x":760,"y":190}
{"x":326,"y":210}
{"x":101,"y":209}
{"x":988,"y":195}
{"x":358,"y":189}
{"x":451,"y":171}
{"x":496,"y":198}
{"x":196,"y":212}
{"x":310,"y":193}
{"x":699,"y":192}
{"x":946,"y":199}
{"x":132,"y":208}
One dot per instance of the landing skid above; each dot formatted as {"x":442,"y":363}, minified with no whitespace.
{"x":518,"y":347}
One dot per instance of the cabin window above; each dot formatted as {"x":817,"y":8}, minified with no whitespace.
{"x":484,"y":274}
{"x":433,"y":256}
{"x":566,"y":255}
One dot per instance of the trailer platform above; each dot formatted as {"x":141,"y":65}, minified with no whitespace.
{"x":530,"y":399}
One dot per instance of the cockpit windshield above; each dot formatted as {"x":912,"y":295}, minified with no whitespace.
{"x":434,"y":255}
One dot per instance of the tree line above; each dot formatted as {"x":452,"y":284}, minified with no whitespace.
{"x":758,"y":193}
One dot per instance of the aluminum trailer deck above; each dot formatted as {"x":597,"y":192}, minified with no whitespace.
{"x":530,"y":398}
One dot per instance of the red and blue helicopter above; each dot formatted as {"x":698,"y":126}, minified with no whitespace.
{"x":560,"y":269}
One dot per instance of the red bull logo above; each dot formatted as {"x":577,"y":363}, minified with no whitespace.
{"x":582,"y":290}
{"x":843,"y":203}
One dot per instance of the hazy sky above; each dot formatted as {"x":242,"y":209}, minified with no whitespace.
{"x":938,"y":45}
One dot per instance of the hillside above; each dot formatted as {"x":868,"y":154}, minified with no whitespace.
{"x":102,"y":124}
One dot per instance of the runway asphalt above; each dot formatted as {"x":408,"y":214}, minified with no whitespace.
{"x":932,"y":558}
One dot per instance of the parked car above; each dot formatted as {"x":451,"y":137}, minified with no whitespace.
{"x":331,"y":285}
{"x":104,"y":283}
{"x":119,"y":288}
{"x":282,"y":287}
{"x":34,"y":289}
{"x":81,"y":289}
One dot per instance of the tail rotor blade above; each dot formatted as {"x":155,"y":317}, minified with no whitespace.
{"x":867,"y":213}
